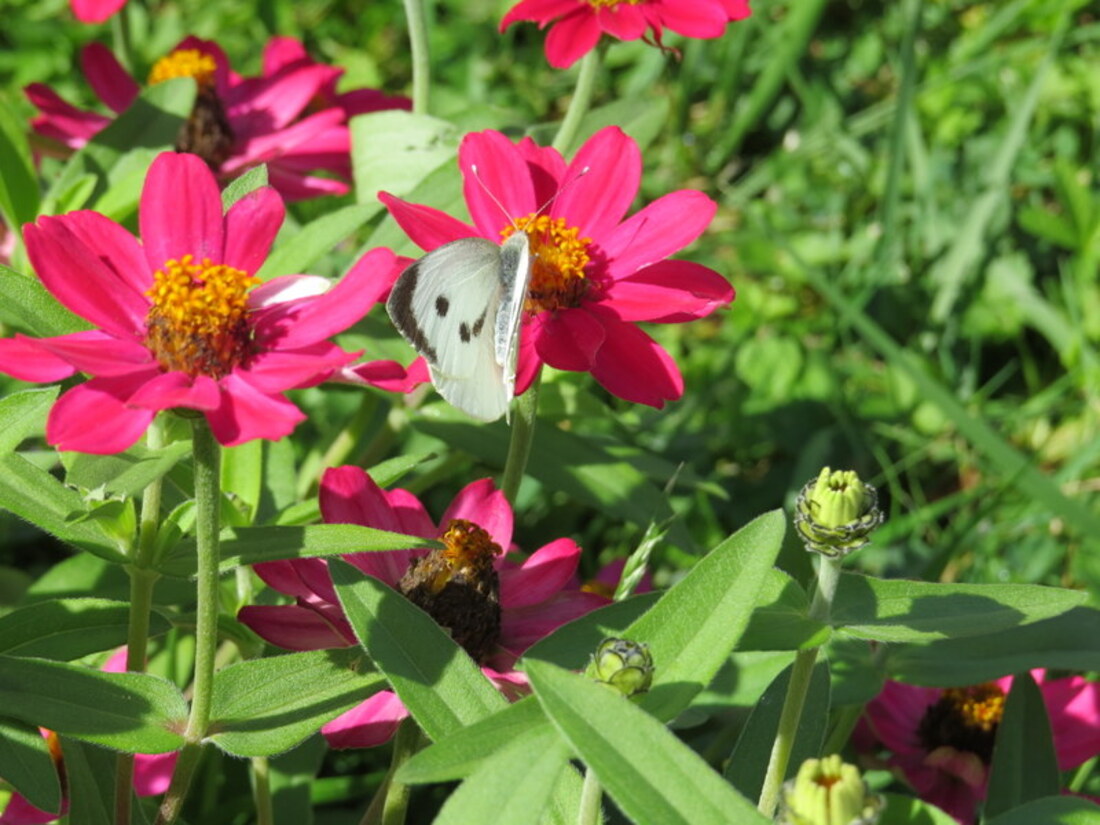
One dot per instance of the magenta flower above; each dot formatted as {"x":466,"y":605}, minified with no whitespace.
{"x":494,"y":607}
{"x":289,"y":118}
{"x":594,"y":274}
{"x":95,"y":11}
{"x":576,"y":25}
{"x":179,"y":323}
{"x":941,"y":740}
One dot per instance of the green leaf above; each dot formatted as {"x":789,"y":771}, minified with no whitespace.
{"x":127,"y":473}
{"x":41,"y":499}
{"x":151,"y":122}
{"x":651,"y":775}
{"x":26,"y":763}
{"x":23,"y":414}
{"x":780,"y":620}
{"x":905,"y":810}
{"x":28,"y":306}
{"x":1024,"y":766}
{"x":91,"y":774}
{"x":1054,"y":810}
{"x":571,"y":645}
{"x":242,"y":546}
{"x":66,"y":629}
{"x":133,"y":712}
{"x":438,"y":682}
{"x":698,"y":621}
{"x":749,"y":760}
{"x":18,"y":181}
{"x":242,"y":475}
{"x":897,"y":610}
{"x":1070,"y":641}
{"x":262,"y":707}
{"x":395,"y":150}
{"x":514,"y":786}
{"x":255,"y":178}
{"x":315,"y":240}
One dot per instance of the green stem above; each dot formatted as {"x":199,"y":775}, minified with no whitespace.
{"x":123,"y":41}
{"x":591,"y":796}
{"x":261,"y":791}
{"x":344,"y":443}
{"x":421,"y":63}
{"x":828,"y":574}
{"x":523,"y":435}
{"x":579,"y":103}
{"x":207,"y":457}
{"x":391,"y":800}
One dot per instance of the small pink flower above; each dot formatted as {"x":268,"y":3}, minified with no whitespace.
{"x":576,"y":25}
{"x":95,"y":11}
{"x":595,"y":272}
{"x":942,"y":739}
{"x":179,"y":322}
{"x":290,"y":117}
{"x":534,"y":596}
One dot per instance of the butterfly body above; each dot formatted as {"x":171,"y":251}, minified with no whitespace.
{"x":460,"y":307}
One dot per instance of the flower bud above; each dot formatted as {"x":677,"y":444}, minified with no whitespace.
{"x":836,"y":513}
{"x":828,"y":792}
{"x":623,"y":665}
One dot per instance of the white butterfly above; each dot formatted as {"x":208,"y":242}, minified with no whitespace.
{"x":460,"y":306}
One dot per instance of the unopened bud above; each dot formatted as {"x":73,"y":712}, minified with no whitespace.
{"x":624,"y":665}
{"x":836,"y":513}
{"x":828,"y":792}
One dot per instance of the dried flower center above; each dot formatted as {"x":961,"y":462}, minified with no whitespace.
{"x":198,"y":323}
{"x":206,"y":132}
{"x":965,"y":719}
{"x":559,"y":256}
{"x":184,"y":63}
{"x":459,"y":588}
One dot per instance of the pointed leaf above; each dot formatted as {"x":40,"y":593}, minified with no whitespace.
{"x":394,"y":150}
{"x":23,"y":414}
{"x":66,"y":629}
{"x":125,"y":473}
{"x":255,"y":178}
{"x":905,"y":810}
{"x":1053,"y":810}
{"x":26,"y":763}
{"x":316,"y":239}
{"x":1024,"y":766}
{"x":28,"y":306}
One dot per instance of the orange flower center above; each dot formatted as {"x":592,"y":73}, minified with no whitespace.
{"x":610,"y":4}
{"x":185,"y":63}
{"x":198,"y":322}
{"x":979,"y":707}
{"x":468,"y":548}
{"x":559,"y":256}
{"x":965,"y":719}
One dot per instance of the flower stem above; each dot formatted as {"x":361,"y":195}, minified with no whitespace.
{"x":591,"y":795}
{"x":523,"y":435}
{"x":579,"y":103}
{"x":421,"y":64}
{"x":120,"y":34}
{"x":261,"y":791}
{"x":391,"y":800}
{"x":828,"y":574}
{"x":207,"y":457}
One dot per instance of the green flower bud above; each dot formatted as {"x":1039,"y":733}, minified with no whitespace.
{"x":828,"y":792}
{"x":623,"y":665}
{"x":836,"y":512}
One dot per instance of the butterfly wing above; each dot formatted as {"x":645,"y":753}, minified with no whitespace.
{"x":446,"y":306}
{"x":515,"y":275}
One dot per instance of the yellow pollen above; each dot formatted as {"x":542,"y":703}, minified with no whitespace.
{"x":599,"y":588}
{"x":198,"y":322}
{"x":980,"y":706}
{"x":610,"y":4}
{"x":559,"y":256}
{"x":185,"y":63}
{"x":466,"y":545}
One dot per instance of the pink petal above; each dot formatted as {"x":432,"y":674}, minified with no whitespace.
{"x":597,"y":201}
{"x":522,"y":627}
{"x":374,"y":722}
{"x":111,"y":83}
{"x":86,"y":283}
{"x":95,"y":11}
{"x":1074,"y":707}
{"x":281,"y":52}
{"x":94,"y":418}
{"x":486,"y":506}
{"x":571,"y":38}
{"x":274,"y":372}
{"x":426,"y":227}
{"x":624,"y":22}
{"x":663,"y":228}
{"x":537,"y":11}
{"x":21,"y":812}
{"x":294,"y":186}
{"x":528,"y":362}
{"x":634,"y":367}
{"x":113,"y":245}
{"x":99,"y":354}
{"x":177,"y":389}
{"x":153,"y":773}
{"x":181,"y":211}
{"x":285,"y":576}
{"x":264,"y":104}
{"x":386,"y":375}
{"x":270,"y":146}
{"x":24,"y":358}
{"x":669,"y":292}
{"x":736,"y":9}
{"x":496,"y":182}
{"x":245,"y":413}
{"x":250,"y":228}
{"x":547,"y":571}
{"x":291,"y":627}
{"x":568,"y":340}
{"x":62,"y":121}
{"x":364,"y":101}
{"x":695,"y":19}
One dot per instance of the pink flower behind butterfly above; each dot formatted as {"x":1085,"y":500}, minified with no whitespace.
{"x":95,"y":11}
{"x":577,"y":25}
{"x":596,"y":272}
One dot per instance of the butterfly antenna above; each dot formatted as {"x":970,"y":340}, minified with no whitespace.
{"x":492,"y":197}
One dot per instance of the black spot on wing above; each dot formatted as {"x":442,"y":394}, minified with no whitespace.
{"x":442,"y":305}
{"x":399,"y":307}
{"x":479,"y":324}
{"x":466,"y":332}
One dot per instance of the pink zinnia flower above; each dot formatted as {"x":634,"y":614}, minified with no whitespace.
{"x":594,"y":274}
{"x":515,"y":605}
{"x":289,"y":118}
{"x":95,"y":11}
{"x":942,"y":739}
{"x":179,"y":322}
{"x":576,"y":25}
